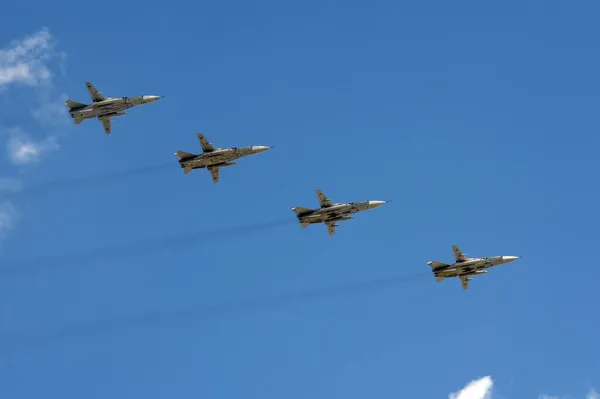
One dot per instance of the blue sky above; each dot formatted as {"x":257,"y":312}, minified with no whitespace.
{"x":122,"y":277}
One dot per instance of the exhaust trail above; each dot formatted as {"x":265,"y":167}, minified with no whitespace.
{"x":189,"y":317}
{"x":161,"y":244}
{"x":79,"y":182}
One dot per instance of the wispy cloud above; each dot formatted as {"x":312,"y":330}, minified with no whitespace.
{"x":26,"y":61}
{"x":8,"y":212}
{"x":23,"y":149}
{"x":482,"y":389}
{"x":591,"y":395}
{"x":8,"y":218}
{"x":476,"y":389}
{"x":29,"y":63}
{"x":51,"y":112}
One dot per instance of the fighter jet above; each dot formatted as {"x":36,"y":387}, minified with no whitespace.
{"x":104,"y":108}
{"x":330,"y":213}
{"x":215,"y":158}
{"x":466,"y":267}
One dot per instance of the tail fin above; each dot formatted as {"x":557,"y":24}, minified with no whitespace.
{"x":74,"y":104}
{"x":184,"y":155}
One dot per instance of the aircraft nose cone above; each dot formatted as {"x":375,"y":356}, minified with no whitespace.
{"x":260,"y":148}
{"x":375,"y":204}
{"x":149,"y":99}
{"x":508,"y":259}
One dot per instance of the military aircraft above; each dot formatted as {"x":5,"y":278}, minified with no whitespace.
{"x":330,"y":213}
{"x":104,"y":108}
{"x":215,"y":158}
{"x":466,"y":267}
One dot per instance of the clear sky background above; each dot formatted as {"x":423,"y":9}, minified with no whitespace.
{"x":121,"y":277}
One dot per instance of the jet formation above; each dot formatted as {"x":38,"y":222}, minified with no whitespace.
{"x":104,"y":108}
{"x":465,"y":267}
{"x":329,"y":213}
{"x":212,"y":158}
{"x":215,"y":158}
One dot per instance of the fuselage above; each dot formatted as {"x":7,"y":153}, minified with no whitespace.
{"x":221,"y":156}
{"x":337,"y":212}
{"x":113,"y":106}
{"x":471,"y":266}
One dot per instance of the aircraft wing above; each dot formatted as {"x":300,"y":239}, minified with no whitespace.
{"x":205,"y":144}
{"x":214,"y":172}
{"x":94,"y":93}
{"x":323,"y":200}
{"x":458,"y":254}
{"x":464,"y":280}
{"x":331,"y":228}
{"x":106,"y":124}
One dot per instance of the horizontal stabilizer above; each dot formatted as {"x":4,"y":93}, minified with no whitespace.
{"x":435,"y":264}
{"x":74,"y":104}
{"x":184,"y":155}
{"x":300,"y":210}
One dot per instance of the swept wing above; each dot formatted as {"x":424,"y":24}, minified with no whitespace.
{"x":205,"y":144}
{"x":458,"y":254}
{"x":331,"y":228}
{"x":323,"y":200}
{"x":214,"y":172}
{"x":464,"y":280}
{"x":106,"y":124}
{"x":94,"y":93}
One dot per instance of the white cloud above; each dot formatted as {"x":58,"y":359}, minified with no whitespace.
{"x":482,"y":389}
{"x":476,"y":389}
{"x":27,"y":60}
{"x":8,"y":218}
{"x":22,"y":149}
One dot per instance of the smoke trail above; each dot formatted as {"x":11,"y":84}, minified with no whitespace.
{"x":195,"y":315}
{"x":181,"y":239}
{"x":79,"y":182}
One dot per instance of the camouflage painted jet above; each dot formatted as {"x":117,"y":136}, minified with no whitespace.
{"x":104,"y":108}
{"x":330,"y":213}
{"x":466,"y":267}
{"x":215,"y":158}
